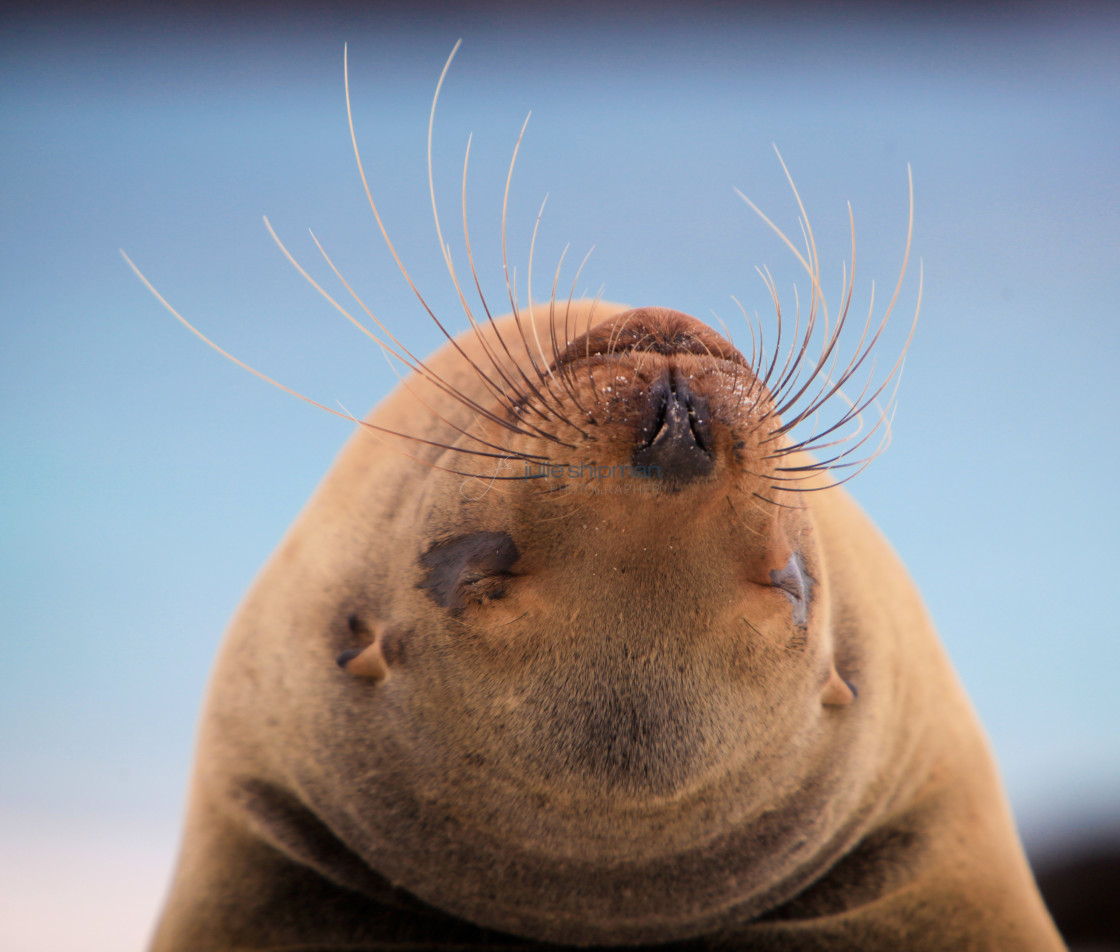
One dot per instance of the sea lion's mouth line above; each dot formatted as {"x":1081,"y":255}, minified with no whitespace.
{"x":615,"y":347}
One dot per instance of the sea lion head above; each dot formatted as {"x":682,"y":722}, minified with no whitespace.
{"x":587,"y":686}
{"x":609,"y":652}
{"x":597,"y":636}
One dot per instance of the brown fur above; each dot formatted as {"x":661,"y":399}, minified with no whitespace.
{"x":622,"y":732}
{"x":577,"y":644}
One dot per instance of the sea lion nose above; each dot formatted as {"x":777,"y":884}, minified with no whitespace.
{"x":674,"y":443}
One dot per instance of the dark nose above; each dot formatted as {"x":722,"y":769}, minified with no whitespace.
{"x":674,"y":443}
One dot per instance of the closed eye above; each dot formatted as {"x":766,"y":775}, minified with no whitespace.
{"x":791,"y":579}
{"x":470,"y":569}
{"x":795,"y":582}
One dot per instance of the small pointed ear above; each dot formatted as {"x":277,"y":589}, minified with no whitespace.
{"x":366,"y":662}
{"x":837,"y":691}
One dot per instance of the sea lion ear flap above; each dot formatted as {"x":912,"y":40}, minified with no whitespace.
{"x":837,"y":692}
{"x":365,"y":662}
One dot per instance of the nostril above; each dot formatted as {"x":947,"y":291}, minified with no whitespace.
{"x":698,"y":424}
{"x":675,"y":443}
{"x":655,"y":427}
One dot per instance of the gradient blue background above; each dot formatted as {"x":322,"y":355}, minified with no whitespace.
{"x":145,"y":479}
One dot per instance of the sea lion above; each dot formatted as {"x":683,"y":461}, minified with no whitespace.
{"x":601,"y":657}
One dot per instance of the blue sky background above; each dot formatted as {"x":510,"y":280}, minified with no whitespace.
{"x":145,"y":479}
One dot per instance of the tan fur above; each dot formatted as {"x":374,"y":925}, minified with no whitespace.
{"x":625,"y":739}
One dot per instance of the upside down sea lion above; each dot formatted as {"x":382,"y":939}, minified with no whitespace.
{"x":602,"y":659}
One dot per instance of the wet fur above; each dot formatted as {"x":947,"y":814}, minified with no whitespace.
{"x":466,"y":708}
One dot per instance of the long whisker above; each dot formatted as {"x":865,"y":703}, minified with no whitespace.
{"x":511,"y":286}
{"x":528,"y":386}
{"x":790,"y":392}
{"x":381,"y":225}
{"x":276,"y":383}
{"x":529,"y":290}
{"x":418,"y":366}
